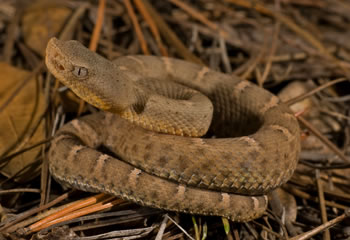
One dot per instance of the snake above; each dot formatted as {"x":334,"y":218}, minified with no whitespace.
{"x":250,"y":147}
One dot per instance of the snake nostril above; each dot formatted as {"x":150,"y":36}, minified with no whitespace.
{"x":60,"y":67}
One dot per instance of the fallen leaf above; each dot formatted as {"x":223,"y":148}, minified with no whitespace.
{"x":19,"y":118}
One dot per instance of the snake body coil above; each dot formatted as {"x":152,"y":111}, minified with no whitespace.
{"x":256,"y":149}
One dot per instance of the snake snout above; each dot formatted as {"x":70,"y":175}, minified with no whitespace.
{"x":55,"y":58}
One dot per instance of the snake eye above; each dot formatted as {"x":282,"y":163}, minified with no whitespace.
{"x":80,"y":72}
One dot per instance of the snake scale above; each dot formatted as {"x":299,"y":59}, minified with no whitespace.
{"x":255,"y":149}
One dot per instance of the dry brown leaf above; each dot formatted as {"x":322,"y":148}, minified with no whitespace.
{"x":42,"y":21}
{"x":19,"y":117}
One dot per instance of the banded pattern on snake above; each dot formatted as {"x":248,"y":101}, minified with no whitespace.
{"x":256,"y":148}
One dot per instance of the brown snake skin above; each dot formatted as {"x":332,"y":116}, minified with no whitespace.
{"x":256,"y":149}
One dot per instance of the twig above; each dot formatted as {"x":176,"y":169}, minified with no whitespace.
{"x":299,"y":193}
{"x":271,"y":54}
{"x":326,"y":235}
{"x":200,"y":17}
{"x":170,"y":36}
{"x":24,"y":150}
{"x":6,"y":227}
{"x":68,"y":28}
{"x":322,"y":227}
{"x":312,"y":92}
{"x":137,"y":27}
{"x":162,"y":227}
{"x":181,"y":228}
{"x":224,"y":55}
{"x":72,"y":211}
{"x":293,"y":26}
{"x":98,"y":26}
{"x":20,"y":190}
{"x":152,"y":25}
{"x":328,"y":143}
{"x":81,"y":212}
{"x":287,"y":21}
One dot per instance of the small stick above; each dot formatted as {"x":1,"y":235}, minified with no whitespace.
{"x":326,"y":234}
{"x":328,"y":143}
{"x":200,"y":17}
{"x":271,"y":54}
{"x":6,"y":227}
{"x":137,"y":27}
{"x":152,"y":25}
{"x":98,"y":26}
{"x":312,"y":92}
{"x":101,"y":201}
{"x":170,"y":36}
{"x":307,"y":36}
{"x":322,"y":227}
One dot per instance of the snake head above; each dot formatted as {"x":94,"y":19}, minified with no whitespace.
{"x":90,"y":76}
